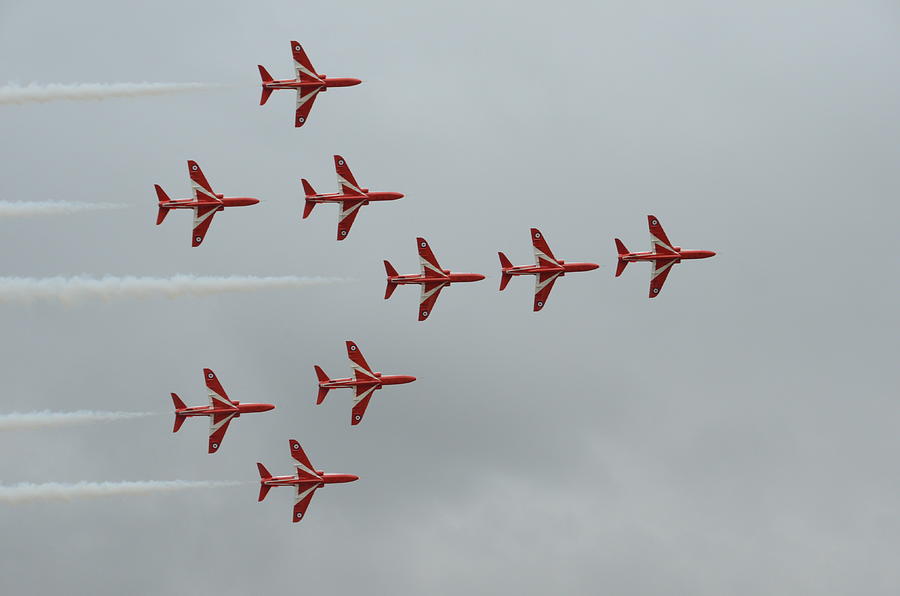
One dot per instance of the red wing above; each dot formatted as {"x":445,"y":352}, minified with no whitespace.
{"x":217,"y":396}
{"x":302,"y":498}
{"x":361,"y":402}
{"x":358,"y":363}
{"x":305,"y":469}
{"x":203,"y":217}
{"x":658,"y":275}
{"x":305,"y":100}
{"x":430,"y":265}
{"x":218,"y":424}
{"x":302,"y":66}
{"x":543,"y":283}
{"x":542,"y":253}
{"x":430,"y":293}
{"x":346,"y":181}
{"x":659,"y":242}
{"x":347,"y":215}
{"x":200,"y":187}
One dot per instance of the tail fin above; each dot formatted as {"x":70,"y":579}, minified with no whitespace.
{"x":323,"y":378}
{"x":266,"y":78}
{"x":505,"y":263}
{"x":263,"y":475}
{"x":179,"y":418}
{"x":309,"y":191}
{"x":163,"y":199}
{"x":620,"y":247}
{"x":391,"y":272}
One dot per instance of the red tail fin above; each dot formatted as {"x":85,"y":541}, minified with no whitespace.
{"x":266,"y":78}
{"x":263,"y":475}
{"x":310,"y":192}
{"x":179,"y":418}
{"x":505,"y":263}
{"x":163,"y":199}
{"x":620,"y":267}
{"x":323,"y":378}
{"x":391,"y":272}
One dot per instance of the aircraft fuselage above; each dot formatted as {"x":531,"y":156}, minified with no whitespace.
{"x":682,"y":255}
{"x":449,"y":278}
{"x":382,"y":380}
{"x":210,"y":411}
{"x":325,"y":83}
{"x":294,"y":480}
{"x":562,"y":269}
{"x":370,"y":196}
{"x":221,"y":204}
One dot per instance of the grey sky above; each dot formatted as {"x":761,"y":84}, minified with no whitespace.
{"x":736,"y":435}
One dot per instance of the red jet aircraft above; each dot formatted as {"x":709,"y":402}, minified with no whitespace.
{"x":307,"y":83}
{"x":433,"y":279}
{"x":351,"y":197}
{"x":545,"y":272}
{"x":220,"y":410}
{"x":307,"y":480}
{"x":205,"y":202}
{"x":364,"y":382}
{"x":663,"y":255}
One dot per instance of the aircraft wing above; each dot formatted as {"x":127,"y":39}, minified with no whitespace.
{"x":302,"y":65}
{"x":543,"y":283}
{"x":305,"y":469}
{"x":346,"y":181}
{"x":305,"y":99}
{"x":203,"y":217}
{"x":659,"y":273}
{"x":302,"y":499}
{"x":543,"y":256}
{"x":360,"y":367}
{"x":347,"y":215}
{"x":217,"y":396}
{"x":427,"y":259}
{"x":199,"y":185}
{"x":361,"y":399}
{"x":659,"y":242}
{"x":430,"y":292}
{"x":218,"y":425}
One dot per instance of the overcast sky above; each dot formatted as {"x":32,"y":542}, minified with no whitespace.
{"x":736,"y":435}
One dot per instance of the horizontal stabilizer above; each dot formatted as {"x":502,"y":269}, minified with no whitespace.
{"x":620,"y":248}
{"x":179,"y":405}
{"x":323,"y":378}
{"x":163,"y":198}
{"x":179,"y":420}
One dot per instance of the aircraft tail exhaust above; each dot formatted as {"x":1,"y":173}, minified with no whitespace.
{"x":266,"y":78}
{"x":505,"y":264}
{"x":391,"y":272}
{"x":263,"y":476}
{"x":179,"y":418}
{"x":620,"y":267}
{"x":323,"y":378}
{"x":310,"y":192}
{"x":163,"y":199}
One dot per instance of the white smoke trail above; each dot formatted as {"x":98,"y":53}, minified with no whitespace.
{"x":34,"y":92}
{"x":32,"y":208}
{"x":73,"y":289}
{"x":46,"y":418}
{"x":27,"y":492}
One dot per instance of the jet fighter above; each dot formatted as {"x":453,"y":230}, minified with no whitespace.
{"x":546,"y":270}
{"x":220,"y":410}
{"x":307,"y":83}
{"x":350,"y":198}
{"x":433,"y":279}
{"x":205,"y":202}
{"x":364,"y":382}
{"x":663,"y":254}
{"x":307,"y":480}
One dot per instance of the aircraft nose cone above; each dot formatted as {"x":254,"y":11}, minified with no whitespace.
{"x":477,"y":277}
{"x":592,"y":266}
{"x":355,"y":81}
{"x":252,"y":201}
{"x":268,"y":407}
